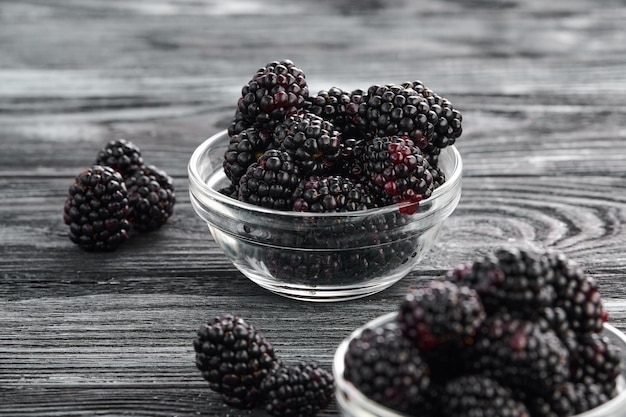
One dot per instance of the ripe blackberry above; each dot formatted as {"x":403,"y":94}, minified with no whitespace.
{"x":578,"y":295}
{"x":565,"y":400}
{"x":151,"y":197}
{"x":320,"y":194}
{"x":243,"y":150}
{"x":441,"y":314}
{"x":312,"y":141}
{"x":340,"y":107}
{"x":300,"y":390}
{"x":271,"y":181}
{"x":273,"y":93}
{"x":520,"y":354}
{"x":478,"y":395}
{"x":394,"y":110}
{"x":234,"y":357}
{"x":517,"y":281}
{"x":396,"y":170}
{"x":121,"y":155}
{"x":449,"y":125}
{"x":96,"y":209}
{"x":237,"y":124}
{"x":388,"y":369}
{"x":596,"y":362}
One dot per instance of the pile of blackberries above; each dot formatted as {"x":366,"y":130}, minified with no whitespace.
{"x":338,"y":150}
{"x":116,"y":194}
{"x":240,"y":364}
{"x":515,"y":333}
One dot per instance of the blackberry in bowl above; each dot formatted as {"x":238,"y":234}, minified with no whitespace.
{"x":445,"y":352}
{"x":310,"y":253}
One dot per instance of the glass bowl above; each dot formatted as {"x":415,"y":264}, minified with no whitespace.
{"x":352,"y":403}
{"x":319,"y":256}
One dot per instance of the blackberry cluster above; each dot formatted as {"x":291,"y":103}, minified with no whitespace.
{"x":358,"y":135}
{"x":515,"y":328}
{"x":117,"y":193}
{"x":240,"y":364}
{"x":330,"y":193}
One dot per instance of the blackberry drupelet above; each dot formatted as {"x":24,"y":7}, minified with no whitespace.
{"x":478,"y":395}
{"x":396,"y":170}
{"x":97,"y":208}
{"x":396,"y":110}
{"x":312,"y":141}
{"x":234,"y":357}
{"x":340,"y":107}
{"x":300,"y":390}
{"x":271,"y":181}
{"x":440,"y":315}
{"x":596,"y":362}
{"x":513,"y":280}
{"x":519,"y":353}
{"x":151,"y":196}
{"x":449,"y":125}
{"x":388,"y":369}
{"x":243,"y":150}
{"x":121,"y":155}
{"x":274,"y":92}
{"x":321,"y":194}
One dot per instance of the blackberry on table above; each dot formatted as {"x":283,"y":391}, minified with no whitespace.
{"x":312,"y":141}
{"x":274,"y":92}
{"x":234,"y":357}
{"x":271,"y":181}
{"x":300,"y":390}
{"x":478,"y":395}
{"x":97,"y":208}
{"x":321,"y":194}
{"x":396,"y":170}
{"x":151,"y":196}
{"x":388,"y":369}
{"x":122,"y":155}
{"x":243,"y":150}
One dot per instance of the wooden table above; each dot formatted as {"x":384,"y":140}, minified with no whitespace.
{"x":542,"y":87}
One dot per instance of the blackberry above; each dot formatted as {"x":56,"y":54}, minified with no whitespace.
{"x":97,"y":208}
{"x":397,"y":171}
{"x":313,"y":142}
{"x":237,"y":124}
{"x":449,"y":125}
{"x":340,"y":107}
{"x":514,"y":280}
{"x":520,"y":353}
{"x":273,"y":93}
{"x":388,"y":369}
{"x":234,"y":357}
{"x":394,"y":110}
{"x":578,"y":295}
{"x":271,"y":181}
{"x":330,"y":194}
{"x":478,"y":395}
{"x":596,"y":362}
{"x":565,"y":400}
{"x":151,"y":196}
{"x":441,"y":314}
{"x":243,"y":150}
{"x":300,"y":390}
{"x":121,"y":155}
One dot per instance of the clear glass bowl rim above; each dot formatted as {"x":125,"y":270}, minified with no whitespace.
{"x":199,"y":187}
{"x":604,"y":410}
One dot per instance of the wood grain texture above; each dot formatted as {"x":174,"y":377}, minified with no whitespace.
{"x":542,"y":88}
